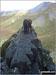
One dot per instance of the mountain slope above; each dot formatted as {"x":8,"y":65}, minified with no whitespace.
{"x":10,"y":24}
{"x":3,"y":13}
{"x":41,"y":7}
{"x":44,"y":22}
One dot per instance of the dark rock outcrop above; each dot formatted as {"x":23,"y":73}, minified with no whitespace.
{"x":26,"y":55}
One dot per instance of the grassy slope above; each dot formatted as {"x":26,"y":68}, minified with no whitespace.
{"x":46,"y":33}
{"x":11,"y":24}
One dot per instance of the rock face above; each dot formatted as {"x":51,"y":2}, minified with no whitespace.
{"x":25,"y":55}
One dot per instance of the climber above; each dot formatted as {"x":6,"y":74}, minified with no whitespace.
{"x":29,"y":25}
{"x":25,"y":24}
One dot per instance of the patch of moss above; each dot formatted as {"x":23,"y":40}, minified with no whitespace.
{"x":3,"y":48}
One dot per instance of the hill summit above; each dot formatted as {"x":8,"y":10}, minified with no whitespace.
{"x":26,"y":55}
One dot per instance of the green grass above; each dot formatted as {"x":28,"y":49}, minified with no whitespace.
{"x":3,"y":48}
{"x":47,"y":35}
{"x":2,"y":19}
{"x":9,"y":27}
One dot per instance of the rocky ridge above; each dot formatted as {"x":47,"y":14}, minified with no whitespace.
{"x":26,"y":55}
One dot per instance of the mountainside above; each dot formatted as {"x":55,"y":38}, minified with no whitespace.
{"x":10,"y":24}
{"x":43,"y":12}
{"x":25,"y":55}
{"x":3,"y":13}
{"x":43,"y":6}
{"x":43,"y":21}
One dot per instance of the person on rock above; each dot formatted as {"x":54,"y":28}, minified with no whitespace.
{"x":25,"y":24}
{"x":29,"y":25}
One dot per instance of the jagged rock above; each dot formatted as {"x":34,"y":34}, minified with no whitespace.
{"x":35,"y":69}
{"x":31,"y":57}
{"x":26,"y":55}
{"x":37,"y":43}
{"x":14,"y":70}
{"x":21,"y":47}
{"x":1,"y":59}
{"x":51,"y":67}
{"x":4,"y":67}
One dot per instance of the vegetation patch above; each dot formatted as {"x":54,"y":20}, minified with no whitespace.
{"x":3,"y":48}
